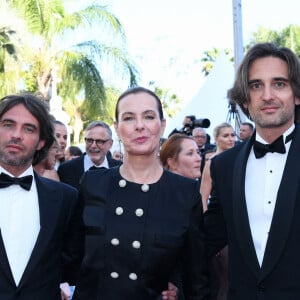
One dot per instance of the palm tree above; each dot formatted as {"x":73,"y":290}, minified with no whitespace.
{"x":75,"y":67}
{"x":10,"y":49}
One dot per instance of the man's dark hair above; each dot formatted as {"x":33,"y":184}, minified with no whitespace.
{"x":239,"y":93}
{"x":38,"y":109}
{"x":248,"y":124}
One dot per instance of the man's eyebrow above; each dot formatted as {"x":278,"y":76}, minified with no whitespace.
{"x":13,"y":121}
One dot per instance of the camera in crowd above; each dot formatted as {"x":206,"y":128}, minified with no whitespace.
{"x":190,"y":122}
{"x":204,"y":123}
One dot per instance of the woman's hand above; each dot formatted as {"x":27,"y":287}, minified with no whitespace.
{"x":171,"y":293}
{"x":65,"y":291}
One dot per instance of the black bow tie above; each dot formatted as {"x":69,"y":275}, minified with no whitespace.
{"x":96,"y":168}
{"x":6,"y":180}
{"x":278,"y":146}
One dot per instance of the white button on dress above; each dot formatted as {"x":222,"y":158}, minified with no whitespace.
{"x":139,"y":212}
{"x":136,"y":244}
{"x":119,"y":210}
{"x":115,"y":242}
{"x":132,"y":276}
{"x":114,"y":275}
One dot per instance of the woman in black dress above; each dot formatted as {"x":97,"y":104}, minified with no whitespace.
{"x":140,"y":219}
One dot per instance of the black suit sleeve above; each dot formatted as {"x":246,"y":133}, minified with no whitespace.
{"x":214,"y":223}
{"x":73,"y":240}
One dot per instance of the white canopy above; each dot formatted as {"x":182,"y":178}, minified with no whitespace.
{"x":210,"y":102}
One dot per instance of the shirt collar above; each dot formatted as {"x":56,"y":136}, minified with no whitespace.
{"x":88,"y":163}
{"x":285,"y":134}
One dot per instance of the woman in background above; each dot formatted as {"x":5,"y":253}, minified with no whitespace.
{"x":225,"y":139}
{"x":61,"y":134}
{"x":180,"y":154}
{"x":140,"y":219}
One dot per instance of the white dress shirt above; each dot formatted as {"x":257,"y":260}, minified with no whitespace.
{"x":263,"y":177}
{"x":19,"y":223}
{"x":88,"y":163}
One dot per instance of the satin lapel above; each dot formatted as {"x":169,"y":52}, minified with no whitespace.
{"x":49,"y":205}
{"x":240,"y":214}
{"x":4,"y":264}
{"x":284,"y":208}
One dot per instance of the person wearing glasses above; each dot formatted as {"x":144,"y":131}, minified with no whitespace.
{"x":98,"y":142}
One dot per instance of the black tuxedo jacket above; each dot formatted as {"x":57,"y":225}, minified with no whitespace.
{"x":57,"y":254}
{"x":71,"y":171}
{"x":227,"y":221}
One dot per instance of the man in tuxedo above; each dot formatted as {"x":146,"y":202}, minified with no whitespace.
{"x":98,"y":142}
{"x":41,"y":237}
{"x":255,"y":205}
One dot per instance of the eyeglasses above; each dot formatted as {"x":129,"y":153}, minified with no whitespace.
{"x":199,"y":136}
{"x":98,"y":141}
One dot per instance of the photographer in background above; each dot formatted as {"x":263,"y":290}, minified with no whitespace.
{"x":187,"y":126}
{"x":189,"y":123}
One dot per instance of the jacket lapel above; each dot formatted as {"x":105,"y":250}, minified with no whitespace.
{"x":284,"y":208}
{"x":240,"y":214}
{"x":4,"y":264}
{"x":49,"y":206}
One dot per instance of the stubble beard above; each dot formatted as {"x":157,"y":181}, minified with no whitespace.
{"x":10,"y":160}
{"x":276,"y":122}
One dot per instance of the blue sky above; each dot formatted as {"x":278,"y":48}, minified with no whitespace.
{"x":167,"y":37}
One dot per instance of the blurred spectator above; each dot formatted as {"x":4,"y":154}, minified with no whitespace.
{"x":72,"y":152}
{"x":98,"y":142}
{"x":187,"y":126}
{"x":61,"y":134}
{"x":201,"y":138}
{"x":45,"y":167}
{"x":117,"y":155}
{"x":246,"y":130}
{"x":180,"y":154}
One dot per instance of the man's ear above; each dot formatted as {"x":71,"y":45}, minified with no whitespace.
{"x":41,"y":144}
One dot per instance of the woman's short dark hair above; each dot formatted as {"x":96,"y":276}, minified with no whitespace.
{"x":137,"y":90}
{"x":38,"y":109}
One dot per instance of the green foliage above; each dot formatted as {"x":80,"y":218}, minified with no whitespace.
{"x":209,"y":57}
{"x":287,"y":37}
{"x":170,"y":101}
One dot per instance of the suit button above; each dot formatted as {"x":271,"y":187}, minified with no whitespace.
{"x":261,"y":288}
{"x":132,"y":276}
{"x":115,"y":242}
{"x":114,"y":275}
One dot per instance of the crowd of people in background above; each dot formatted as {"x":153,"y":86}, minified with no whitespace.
{"x":181,"y":218}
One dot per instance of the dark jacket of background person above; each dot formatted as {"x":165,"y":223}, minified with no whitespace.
{"x":61,"y":225}
{"x":71,"y":171}
{"x":169,"y":228}
{"x":247,"y":280}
